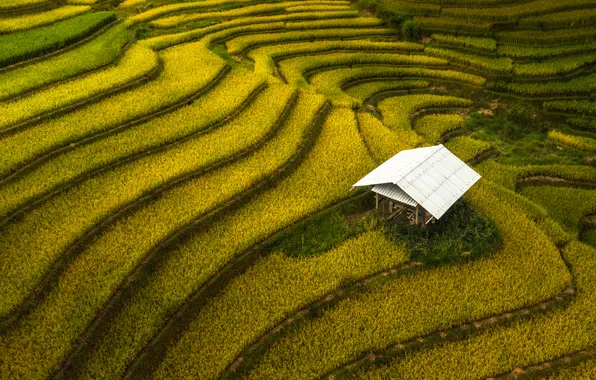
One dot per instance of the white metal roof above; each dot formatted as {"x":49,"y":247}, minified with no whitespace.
{"x":392,"y":191}
{"x":433,"y":177}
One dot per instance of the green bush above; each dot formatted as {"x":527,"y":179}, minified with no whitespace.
{"x":462,"y":233}
{"x":526,"y":117}
{"x":395,"y":16}
{"x":410,"y":30}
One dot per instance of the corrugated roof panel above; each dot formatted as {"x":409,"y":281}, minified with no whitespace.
{"x":392,"y":191}
{"x":434,"y":178}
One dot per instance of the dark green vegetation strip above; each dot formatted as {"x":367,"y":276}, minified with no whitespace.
{"x":17,"y":47}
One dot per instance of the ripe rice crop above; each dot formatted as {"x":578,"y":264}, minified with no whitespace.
{"x":578,"y":142}
{"x":293,"y":69}
{"x":574,"y":87}
{"x":513,"y":12}
{"x":581,"y":123}
{"x":412,"y":8}
{"x":264,"y":58}
{"x":171,"y":8}
{"x":531,"y":52}
{"x":551,"y":37}
{"x":97,"y":53}
{"x":30,"y":44}
{"x":508,"y":175}
{"x":487,"y":44}
{"x":332,"y":6}
{"x":567,"y":205}
{"x":453,"y":25}
{"x":83,"y":2}
{"x":330,"y":81}
{"x":364,"y":91}
{"x":155,"y":132}
{"x":356,"y":22}
{"x":383,"y":142}
{"x":16,"y":4}
{"x":502,"y":349}
{"x":251,"y":10}
{"x":486,"y":64}
{"x":240,"y":26}
{"x":141,"y":208}
{"x":470,"y":3}
{"x":432,"y":127}
{"x":334,"y":81}
{"x":202,"y":256}
{"x":171,"y":86}
{"x":131,"y":3}
{"x":581,"y":107}
{"x":581,"y":371}
{"x":243,"y":43}
{"x":262,"y":297}
{"x":137,"y":63}
{"x":557,"y":66}
{"x":118,"y":188}
{"x":15,"y":24}
{"x":537,"y":213}
{"x":571,"y":19}
{"x":444,"y":297}
{"x":467,"y":148}
{"x":109,"y":259}
{"x":397,"y":111}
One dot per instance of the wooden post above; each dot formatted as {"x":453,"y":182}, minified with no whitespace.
{"x":416,"y":216}
{"x":377,"y":200}
{"x":390,"y":207}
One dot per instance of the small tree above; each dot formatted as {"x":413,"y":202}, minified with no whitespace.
{"x":410,"y":30}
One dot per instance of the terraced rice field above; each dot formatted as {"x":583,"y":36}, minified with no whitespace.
{"x":176,"y":202}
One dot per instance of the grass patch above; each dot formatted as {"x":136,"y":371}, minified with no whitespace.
{"x":519,"y":136}
{"x":326,"y":230}
{"x":462,"y":233}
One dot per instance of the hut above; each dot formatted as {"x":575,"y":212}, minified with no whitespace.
{"x":423,"y":182}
